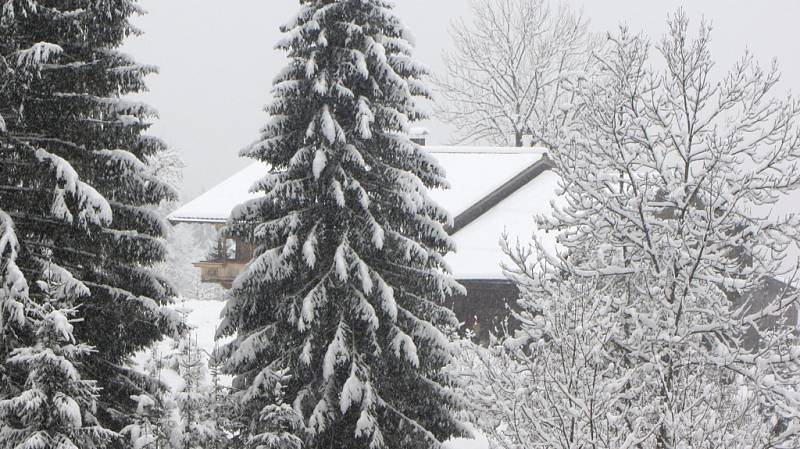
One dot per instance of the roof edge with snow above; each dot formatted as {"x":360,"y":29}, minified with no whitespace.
{"x":499,"y":194}
{"x":464,"y":216}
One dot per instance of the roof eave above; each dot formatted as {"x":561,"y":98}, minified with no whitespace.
{"x":196,"y":220}
{"x":463,"y":219}
{"x":494,"y":198}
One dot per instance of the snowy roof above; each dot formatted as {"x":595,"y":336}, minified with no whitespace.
{"x":493,"y":190}
{"x":216,"y":205}
{"x":478,"y":253}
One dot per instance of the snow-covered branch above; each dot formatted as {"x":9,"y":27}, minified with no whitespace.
{"x":514,"y":70}
{"x":666,"y":318}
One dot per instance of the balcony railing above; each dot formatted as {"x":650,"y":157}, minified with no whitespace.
{"x":221,"y":272}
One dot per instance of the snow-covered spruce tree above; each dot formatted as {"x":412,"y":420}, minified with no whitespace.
{"x":225,"y":408}
{"x":13,"y":297}
{"x":73,"y":182}
{"x":222,"y":249}
{"x":666,"y":319}
{"x":198,"y":426}
{"x":55,"y":408}
{"x":148,"y":428}
{"x":278,"y":423}
{"x":346,"y":288}
{"x":14,"y":286}
{"x":156,"y":424}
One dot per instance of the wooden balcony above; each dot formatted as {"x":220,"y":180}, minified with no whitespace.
{"x":233,"y":256}
{"x":221,"y":272}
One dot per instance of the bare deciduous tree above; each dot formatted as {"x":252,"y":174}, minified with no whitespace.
{"x":668,"y":317}
{"x":512,"y":70}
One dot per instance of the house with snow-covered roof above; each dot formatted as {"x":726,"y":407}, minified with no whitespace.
{"x":493,"y":191}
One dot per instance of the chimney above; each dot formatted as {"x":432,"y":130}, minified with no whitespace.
{"x":419,"y":135}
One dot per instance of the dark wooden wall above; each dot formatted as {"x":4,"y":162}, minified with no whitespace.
{"x":485,"y":308}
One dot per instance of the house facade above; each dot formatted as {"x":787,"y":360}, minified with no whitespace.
{"x":494,"y":191}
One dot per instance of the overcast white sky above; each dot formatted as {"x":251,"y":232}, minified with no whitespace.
{"x":217,"y":60}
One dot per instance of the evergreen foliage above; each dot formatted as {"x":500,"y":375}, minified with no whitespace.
{"x":14,"y":292}
{"x":74,"y":192}
{"x":345,"y":293}
{"x":197,"y":401}
{"x":55,"y":407}
{"x":149,"y":427}
{"x":222,"y":249}
{"x":225,"y":410}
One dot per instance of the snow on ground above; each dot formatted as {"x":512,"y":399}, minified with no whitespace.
{"x":203,"y":316}
{"x":480,"y":441}
{"x":464,"y":443}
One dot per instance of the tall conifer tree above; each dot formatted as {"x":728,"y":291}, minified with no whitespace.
{"x":344,"y":297}
{"x":73,"y":190}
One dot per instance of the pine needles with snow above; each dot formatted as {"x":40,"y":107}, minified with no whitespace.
{"x":342,"y":307}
